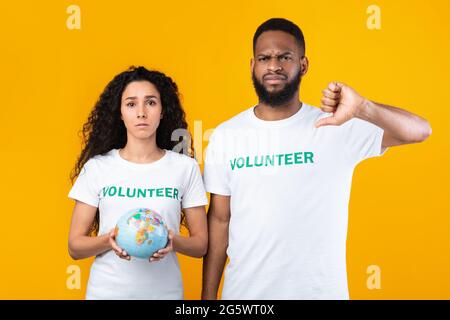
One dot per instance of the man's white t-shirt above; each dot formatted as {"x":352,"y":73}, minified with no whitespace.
{"x":116,"y":186}
{"x":289,"y":184}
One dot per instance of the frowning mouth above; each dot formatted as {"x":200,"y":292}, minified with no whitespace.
{"x":274,"y":79}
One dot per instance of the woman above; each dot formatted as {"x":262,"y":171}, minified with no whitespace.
{"x":128,"y":148}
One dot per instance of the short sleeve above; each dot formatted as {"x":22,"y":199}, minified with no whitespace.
{"x":84,"y":189}
{"x":363,"y":140}
{"x":215,"y":175}
{"x":195,"y":194}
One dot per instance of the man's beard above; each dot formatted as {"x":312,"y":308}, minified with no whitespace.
{"x":278,"y":98}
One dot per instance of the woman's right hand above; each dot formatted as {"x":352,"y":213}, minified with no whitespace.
{"x":118,"y":251}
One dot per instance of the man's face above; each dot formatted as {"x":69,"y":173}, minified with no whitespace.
{"x":277,"y":67}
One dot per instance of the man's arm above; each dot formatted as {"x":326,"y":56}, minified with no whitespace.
{"x":216,"y":257}
{"x":400,"y":126}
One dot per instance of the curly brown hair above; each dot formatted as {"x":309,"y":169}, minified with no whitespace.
{"x":105,"y":130}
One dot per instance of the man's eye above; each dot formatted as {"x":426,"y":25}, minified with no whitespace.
{"x":263,"y":59}
{"x":285,"y":58}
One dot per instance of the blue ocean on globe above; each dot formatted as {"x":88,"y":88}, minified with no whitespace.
{"x":141,"y":232}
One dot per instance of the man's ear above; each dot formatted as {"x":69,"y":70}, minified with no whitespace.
{"x":304,"y":65}
{"x":252,"y":64}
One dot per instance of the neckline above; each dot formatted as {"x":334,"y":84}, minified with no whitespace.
{"x":277,"y":123}
{"x":140,"y":165}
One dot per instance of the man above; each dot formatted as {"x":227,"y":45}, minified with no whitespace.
{"x":280,"y":174}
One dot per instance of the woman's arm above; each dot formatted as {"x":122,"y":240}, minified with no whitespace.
{"x":196,"y":244}
{"x":81,"y":245}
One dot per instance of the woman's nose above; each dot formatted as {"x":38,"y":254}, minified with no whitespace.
{"x":141,"y":112}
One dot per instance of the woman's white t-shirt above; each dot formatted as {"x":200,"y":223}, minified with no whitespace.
{"x":116,"y":186}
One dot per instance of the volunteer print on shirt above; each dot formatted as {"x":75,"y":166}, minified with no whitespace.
{"x":289,"y":184}
{"x":116,"y":186}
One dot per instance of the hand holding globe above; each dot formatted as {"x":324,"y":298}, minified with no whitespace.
{"x":117,"y":250}
{"x":158,"y":255}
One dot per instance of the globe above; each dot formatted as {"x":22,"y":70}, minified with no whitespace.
{"x":141,"y":232}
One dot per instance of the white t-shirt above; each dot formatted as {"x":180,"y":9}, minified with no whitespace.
{"x":116,"y":186}
{"x":289,"y":184}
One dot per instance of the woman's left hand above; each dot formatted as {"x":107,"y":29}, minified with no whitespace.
{"x":158,"y":255}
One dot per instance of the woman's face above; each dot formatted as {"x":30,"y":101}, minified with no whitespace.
{"x":141,"y":109}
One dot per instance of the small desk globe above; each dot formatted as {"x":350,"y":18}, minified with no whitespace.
{"x":141,"y":232}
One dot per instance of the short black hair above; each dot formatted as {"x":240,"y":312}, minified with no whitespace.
{"x":280,"y":24}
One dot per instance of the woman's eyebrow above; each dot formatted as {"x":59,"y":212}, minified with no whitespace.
{"x":134,"y":98}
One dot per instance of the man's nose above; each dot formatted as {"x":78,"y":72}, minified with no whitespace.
{"x":274,"y":65}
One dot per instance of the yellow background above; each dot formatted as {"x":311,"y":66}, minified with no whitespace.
{"x":51,"y":77}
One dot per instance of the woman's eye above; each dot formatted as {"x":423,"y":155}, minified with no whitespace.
{"x":151,"y":102}
{"x":130,"y":104}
